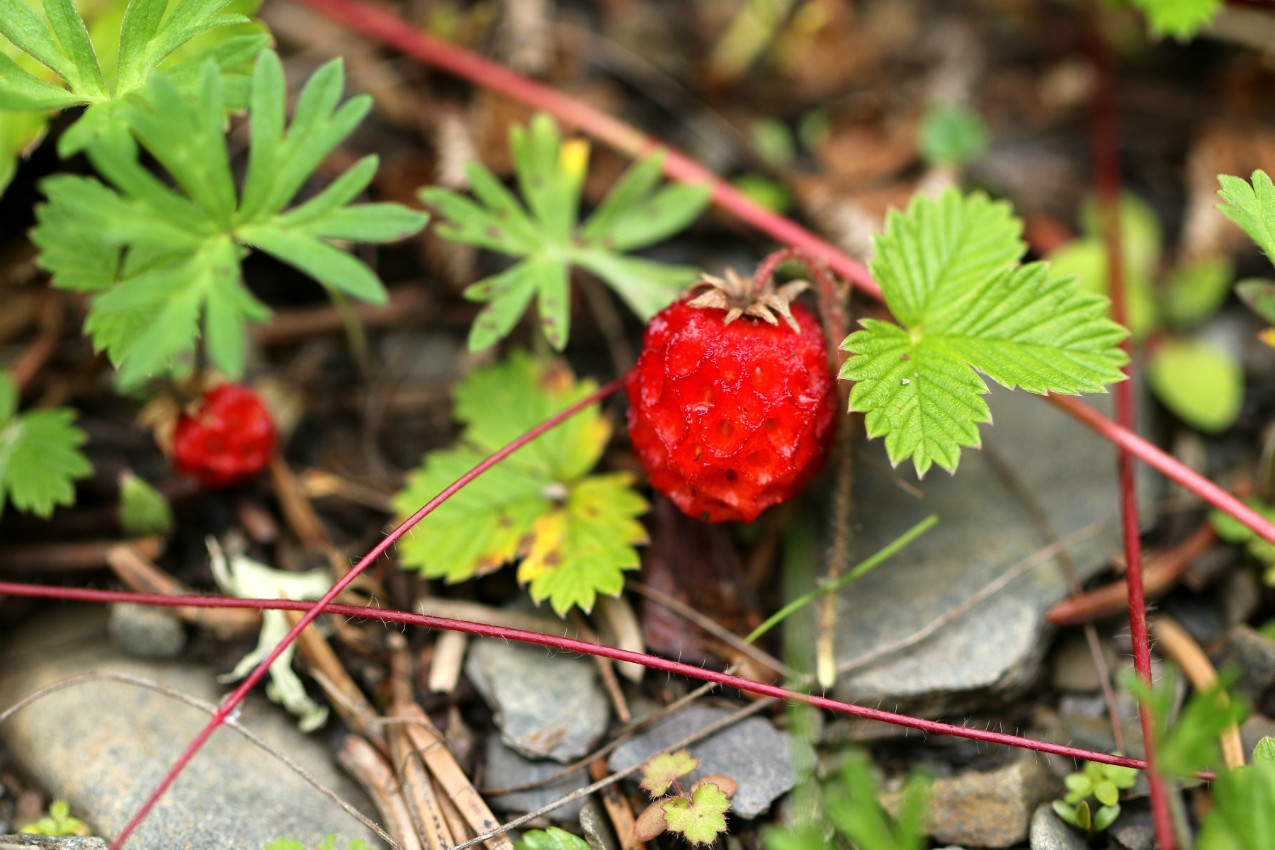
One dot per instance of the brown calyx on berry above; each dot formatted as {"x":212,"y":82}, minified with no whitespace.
{"x":737,"y":297}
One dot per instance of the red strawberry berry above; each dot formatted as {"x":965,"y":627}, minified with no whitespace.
{"x":229,"y":439}
{"x":729,"y":417}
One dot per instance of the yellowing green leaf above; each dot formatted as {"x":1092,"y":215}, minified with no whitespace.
{"x":700,"y":819}
{"x":659,"y":771}
{"x":1199,"y":382}
{"x":573,"y":532}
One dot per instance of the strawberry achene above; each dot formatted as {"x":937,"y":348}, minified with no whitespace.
{"x":729,"y":419}
{"x":227,"y":440}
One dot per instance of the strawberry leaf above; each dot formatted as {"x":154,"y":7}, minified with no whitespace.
{"x":700,"y":819}
{"x":948,"y":272}
{"x":1252,"y":207}
{"x":545,"y":236}
{"x":40,"y":454}
{"x":574,"y":532}
{"x":166,"y":259}
{"x":1180,"y":19}
{"x":660,"y":771}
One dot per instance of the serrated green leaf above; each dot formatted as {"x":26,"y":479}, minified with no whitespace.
{"x":40,"y":455}
{"x":659,"y":771}
{"x":73,"y":37}
{"x":1180,"y":19}
{"x":20,"y":90}
{"x":946,"y":263}
{"x":167,"y":260}
{"x":552,"y":838}
{"x":546,"y":238}
{"x":574,"y":532}
{"x":1252,"y":207}
{"x":931,"y":255}
{"x":700,"y":819}
{"x":1200,"y":382}
{"x":1264,"y":752}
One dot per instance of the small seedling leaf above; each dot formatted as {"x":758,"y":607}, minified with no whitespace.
{"x":543,"y":234}
{"x":552,"y":838}
{"x":1180,"y":19}
{"x":1196,"y":289}
{"x":946,"y":268}
{"x":1105,"y":817}
{"x":1252,"y":207}
{"x":40,"y":456}
{"x":700,"y":819}
{"x":1079,"y":786}
{"x":660,"y":771}
{"x":574,"y":532}
{"x":1200,"y":382}
{"x":952,"y":134}
{"x":143,"y":510}
{"x":651,"y":823}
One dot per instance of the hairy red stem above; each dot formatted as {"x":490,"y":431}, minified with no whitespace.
{"x":571,"y":645}
{"x":393,"y":31}
{"x":236,"y":697}
{"x":1104,"y":142}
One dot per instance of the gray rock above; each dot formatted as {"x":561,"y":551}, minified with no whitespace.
{"x":1134,"y":829}
{"x":1048,"y":832}
{"x":993,"y":650}
{"x":752,"y":752}
{"x":104,"y":745}
{"x":991,"y":808}
{"x":146,"y":631}
{"x":1253,"y":654}
{"x":547,"y":706}
{"x":506,"y":769}
{"x":51,"y":842}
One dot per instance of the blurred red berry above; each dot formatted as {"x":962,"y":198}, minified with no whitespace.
{"x":228,"y":440}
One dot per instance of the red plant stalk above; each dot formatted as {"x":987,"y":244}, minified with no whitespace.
{"x":1104,"y":140}
{"x":393,"y":31}
{"x":237,"y":696}
{"x":566,"y":644}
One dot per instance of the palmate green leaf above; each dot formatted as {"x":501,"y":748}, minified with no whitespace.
{"x":573,"y":532}
{"x":701,"y":818}
{"x":165,"y":255}
{"x":548,"y":242}
{"x":40,"y":454}
{"x":659,"y":771}
{"x":947,"y":271}
{"x":1252,"y":207}
{"x":1180,"y":19}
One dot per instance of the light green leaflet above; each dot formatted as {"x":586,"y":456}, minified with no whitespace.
{"x":949,"y":271}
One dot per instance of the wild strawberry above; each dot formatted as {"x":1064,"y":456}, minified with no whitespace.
{"x":731,"y":415}
{"x":229,"y":439}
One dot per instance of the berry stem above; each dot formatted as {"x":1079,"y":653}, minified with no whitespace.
{"x":393,"y":31}
{"x":237,"y":696}
{"x":1104,"y":144}
{"x":566,"y":644}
